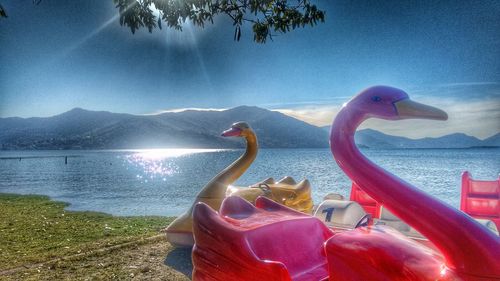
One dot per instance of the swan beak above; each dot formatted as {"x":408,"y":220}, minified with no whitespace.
{"x":408,"y":109}
{"x":233,"y":132}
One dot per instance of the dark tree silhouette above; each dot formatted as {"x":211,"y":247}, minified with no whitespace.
{"x":2,"y":12}
{"x":268,"y":17}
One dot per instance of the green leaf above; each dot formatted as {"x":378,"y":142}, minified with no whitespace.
{"x":267,"y":16}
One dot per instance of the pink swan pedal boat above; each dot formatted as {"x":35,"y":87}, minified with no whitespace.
{"x":272,"y":242}
{"x":229,"y":245}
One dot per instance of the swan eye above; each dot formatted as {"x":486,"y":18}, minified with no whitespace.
{"x":376,"y":98}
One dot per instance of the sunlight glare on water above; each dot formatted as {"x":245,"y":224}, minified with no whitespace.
{"x":160,"y":154}
{"x":153,"y":163}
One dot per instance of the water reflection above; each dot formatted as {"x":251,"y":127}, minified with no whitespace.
{"x":159,"y":154}
{"x":158,"y":163}
{"x":115,"y":181}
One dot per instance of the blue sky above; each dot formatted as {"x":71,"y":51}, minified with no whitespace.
{"x":64,"y":54}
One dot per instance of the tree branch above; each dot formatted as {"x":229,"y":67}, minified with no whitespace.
{"x":264,"y":15}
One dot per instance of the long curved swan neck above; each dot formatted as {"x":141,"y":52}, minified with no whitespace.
{"x":218,"y":185}
{"x":464,"y":243}
{"x":238,"y":167}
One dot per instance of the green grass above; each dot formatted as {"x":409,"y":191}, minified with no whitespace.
{"x":35,"y":229}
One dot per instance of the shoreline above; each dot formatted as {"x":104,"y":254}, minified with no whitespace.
{"x":67,"y":206}
{"x":139,"y":150}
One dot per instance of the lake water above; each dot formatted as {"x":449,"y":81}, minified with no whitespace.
{"x":164,"y":182}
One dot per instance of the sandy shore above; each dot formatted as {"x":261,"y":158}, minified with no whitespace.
{"x":154,"y":260}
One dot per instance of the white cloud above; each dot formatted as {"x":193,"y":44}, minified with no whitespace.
{"x":479,"y":118}
{"x":185,"y":109}
{"x":462,"y":84}
{"x":319,"y":115}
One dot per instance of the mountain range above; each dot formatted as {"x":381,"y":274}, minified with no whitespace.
{"x":369,"y":138}
{"x":84,"y":129}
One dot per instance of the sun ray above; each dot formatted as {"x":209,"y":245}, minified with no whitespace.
{"x":189,"y":29}
{"x":86,"y":38}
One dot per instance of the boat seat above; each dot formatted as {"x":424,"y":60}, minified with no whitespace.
{"x":481,"y":199}
{"x":264,"y":242}
{"x":333,"y":196}
{"x":389,"y":219}
{"x":340,"y":214}
{"x":371,"y":206}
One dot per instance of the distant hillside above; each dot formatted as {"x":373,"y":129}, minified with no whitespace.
{"x":84,"y":129}
{"x":492,"y":141}
{"x":375,"y":139}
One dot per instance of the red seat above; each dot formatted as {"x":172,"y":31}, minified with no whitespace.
{"x":369,"y":204}
{"x":481,"y":199}
{"x":266,"y":242}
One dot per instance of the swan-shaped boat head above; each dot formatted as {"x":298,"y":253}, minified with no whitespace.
{"x":238,"y":129}
{"x":286,"y":191}
{"x":180,"y":231}
{"x":469,"y":249}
